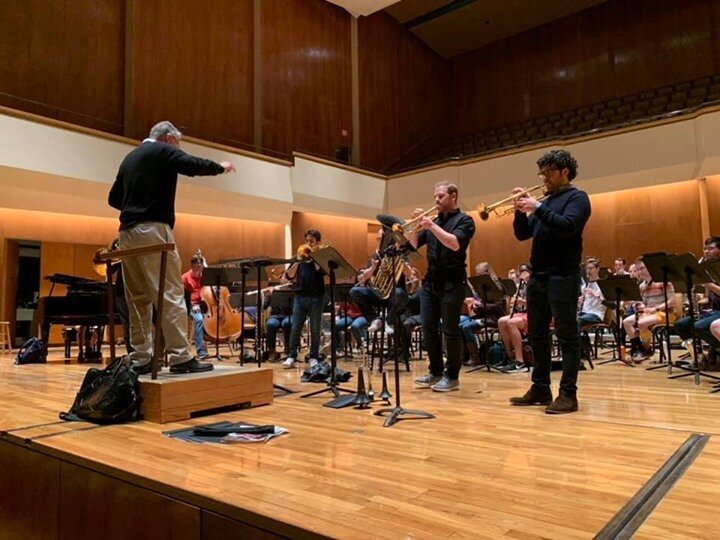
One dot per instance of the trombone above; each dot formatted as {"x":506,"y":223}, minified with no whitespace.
{"x":506,"y":205}
{"x":413,"y":225}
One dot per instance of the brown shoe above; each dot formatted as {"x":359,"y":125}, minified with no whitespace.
{"x":534,"y":396}
{"x":562,"y":405}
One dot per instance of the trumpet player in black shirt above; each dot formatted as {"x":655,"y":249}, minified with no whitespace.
{"x":443,"y":290}
{"x":555,"y":226}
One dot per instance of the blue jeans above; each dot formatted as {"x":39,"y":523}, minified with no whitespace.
{"x":442,"y":302}
{"x":702,"y":327}
{"x":551,"y":296}
{"x":306,"y":307}
{"x":468,"y":327}
{"x":273,"y":324}
{"x":197,"y":318}
{"x":357,"y":328}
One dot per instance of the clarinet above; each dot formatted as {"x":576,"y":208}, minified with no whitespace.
{"x":520,"y":288}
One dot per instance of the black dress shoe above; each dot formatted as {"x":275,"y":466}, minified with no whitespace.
{"x":191,"y":366}
{"x":144,"y":369}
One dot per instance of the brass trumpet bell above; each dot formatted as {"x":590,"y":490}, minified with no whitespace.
{"x":506,"y":206}
{"x":414,"y":224}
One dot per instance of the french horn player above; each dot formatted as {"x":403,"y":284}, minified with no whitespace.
{"x":381,"y":282}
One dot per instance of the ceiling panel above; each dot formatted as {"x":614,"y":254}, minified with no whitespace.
{"x":481,"y":22}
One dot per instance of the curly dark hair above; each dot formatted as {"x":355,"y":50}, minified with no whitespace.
{"x":559,"y":159}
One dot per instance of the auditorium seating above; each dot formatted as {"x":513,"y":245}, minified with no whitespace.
{"x":664,"y":102}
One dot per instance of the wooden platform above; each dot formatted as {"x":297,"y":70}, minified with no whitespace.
{"x":481,"y":469}
{"x":171,"y":397}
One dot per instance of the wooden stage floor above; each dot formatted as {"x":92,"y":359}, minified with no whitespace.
{"x":481,"y":469}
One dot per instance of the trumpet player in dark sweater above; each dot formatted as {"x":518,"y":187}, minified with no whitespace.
{"x":556,"y":227}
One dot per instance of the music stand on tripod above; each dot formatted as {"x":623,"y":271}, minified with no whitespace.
{"x":282,"y":299}
{"x":396,"y":413}
{"x":335,"y":266}
{"x":660,"y":268}
{"x":620,"y":289}
{"x":489,"y":291}
{"x":694,"y":275}
{"x":218,"y":277}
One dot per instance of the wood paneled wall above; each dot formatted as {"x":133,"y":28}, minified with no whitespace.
{"x":713,"y":197}
{"x":623,"y":224}
{"x":616,"y":48}
{"x":305,"y":76}
{"x":192,"y":62}
{"x":64,"y":59}
{"x":216,"y":237}
{"x":403,"y":105}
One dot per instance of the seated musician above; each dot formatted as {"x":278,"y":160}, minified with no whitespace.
{"x":365,"y":296}
{"x":710,"y":310}
{"x":349,"y":316}
{"x":590,"y":305}
{"x":191,"y":283}
{"x":513,"y":325}
{"x":619,"y":267}
{"x":278,"y":318}
{"x":513,"y":274}
{"x":410,"y":316}
{"x":479,"y":315}
{"x":648,"y":313}
{"x":591,"y":309}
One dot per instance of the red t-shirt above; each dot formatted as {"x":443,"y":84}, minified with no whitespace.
{"x":192,"y":284}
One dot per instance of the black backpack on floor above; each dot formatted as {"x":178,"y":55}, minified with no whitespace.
{"x":107,"y":396}
{"x":31,"y":352}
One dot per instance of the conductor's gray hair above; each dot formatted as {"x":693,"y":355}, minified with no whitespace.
{"x":162,"y":129}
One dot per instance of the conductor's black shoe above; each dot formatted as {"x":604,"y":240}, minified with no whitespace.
{"x":191,"y":366}
{"x":143,"y":369}
{"x":563,"y":404}
{"x":534,"y":396}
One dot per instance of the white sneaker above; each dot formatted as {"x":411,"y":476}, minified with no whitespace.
{"x":313,"y":361}
{"x":375,"y":326}
{"x":289,"y":362}
{"x":389,"y":330}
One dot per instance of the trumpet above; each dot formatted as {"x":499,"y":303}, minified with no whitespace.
{"x":414,"y":224}
{"x":506,"y":205}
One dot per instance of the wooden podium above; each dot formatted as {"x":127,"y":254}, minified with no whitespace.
{"x":173,"y":397}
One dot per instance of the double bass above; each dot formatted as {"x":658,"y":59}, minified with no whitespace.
{"x":221,"y":322}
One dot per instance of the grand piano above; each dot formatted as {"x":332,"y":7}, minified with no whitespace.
{"x":84,"y":305}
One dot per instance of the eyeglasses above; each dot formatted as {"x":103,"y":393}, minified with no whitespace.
{"x":546,"y":172}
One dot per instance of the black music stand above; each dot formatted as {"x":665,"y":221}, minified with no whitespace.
{"x":396,"y":413}
{"x":283,"y":300}
{"x":695,"y":274}
{"x":509,"y":286}
{"x":218,"y":277}
{"x":335,"y":266}
{"x":488,"y":290}
{"x":660,"y":268}
{"x":620,"y":289}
